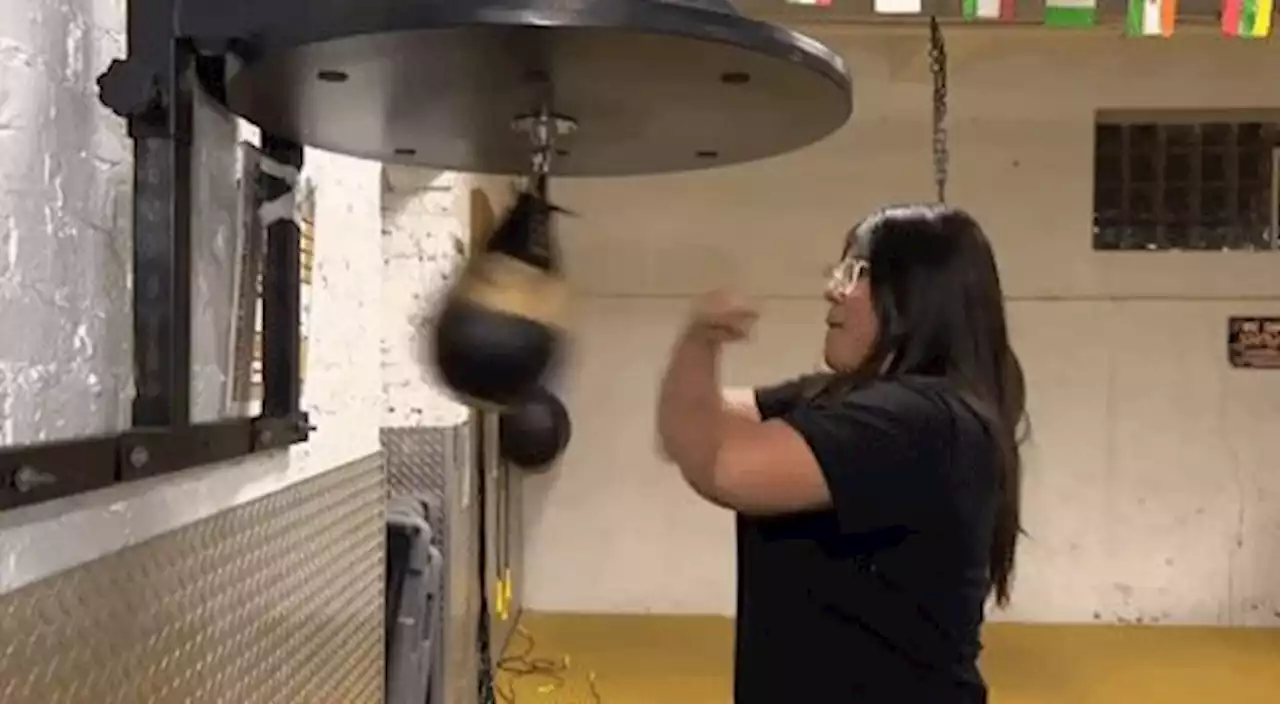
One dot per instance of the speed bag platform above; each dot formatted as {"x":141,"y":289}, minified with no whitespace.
{"x":635,"y":86}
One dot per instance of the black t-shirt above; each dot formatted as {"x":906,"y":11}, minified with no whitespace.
{"x":878,"y":600}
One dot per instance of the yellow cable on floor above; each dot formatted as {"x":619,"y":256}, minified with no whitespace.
{"x":553,"y":669}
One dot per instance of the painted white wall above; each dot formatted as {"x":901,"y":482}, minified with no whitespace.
{"x":1152,"y":493}
{"x":423,"y":244}
{"x":64,"y":297}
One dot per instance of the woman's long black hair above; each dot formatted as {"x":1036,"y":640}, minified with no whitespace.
{"x":937,"y":296}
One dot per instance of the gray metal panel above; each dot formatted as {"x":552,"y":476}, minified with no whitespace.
{"x":417,"y":461}
{"x":438,"y":465}
{"x":277,"y":601}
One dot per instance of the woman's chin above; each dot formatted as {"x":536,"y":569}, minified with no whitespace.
{"x":830,"y":361}
{"x":836,"y":360}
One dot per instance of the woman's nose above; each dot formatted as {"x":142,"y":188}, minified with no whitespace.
{"x":832,"y":294}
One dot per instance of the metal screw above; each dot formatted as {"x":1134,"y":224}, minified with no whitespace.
{"x":28,"y":478}
{"x":139,"y":457}
{"x":264,"y":437}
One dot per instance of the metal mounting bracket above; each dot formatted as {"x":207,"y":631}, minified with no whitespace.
{"x":153,"y":88}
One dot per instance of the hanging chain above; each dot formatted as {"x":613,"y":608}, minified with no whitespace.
{"x":938,"y":67}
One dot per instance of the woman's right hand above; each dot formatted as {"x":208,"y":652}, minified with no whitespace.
{"x":722,"y":316}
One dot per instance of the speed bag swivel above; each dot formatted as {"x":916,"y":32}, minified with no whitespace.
{"x":502,"y":325}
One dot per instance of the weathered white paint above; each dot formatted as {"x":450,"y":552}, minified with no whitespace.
{"x":64,"y":181}
{"x":425,"y":236}
{"x":1152,"y":490}
{"x":423,"y":247}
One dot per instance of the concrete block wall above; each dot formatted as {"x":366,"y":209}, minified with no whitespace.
{"x":1152,"y":491}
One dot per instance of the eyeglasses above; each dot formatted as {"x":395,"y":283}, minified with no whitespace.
{"x":845,"y":275}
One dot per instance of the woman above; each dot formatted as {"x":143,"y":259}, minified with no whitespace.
{"x":877,"y":504}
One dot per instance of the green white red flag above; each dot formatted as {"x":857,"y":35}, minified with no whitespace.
{"x":998,"y":10}
{"x":1151,"y":18}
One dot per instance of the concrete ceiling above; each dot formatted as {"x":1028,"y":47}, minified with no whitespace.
{"x":1029,"y":11}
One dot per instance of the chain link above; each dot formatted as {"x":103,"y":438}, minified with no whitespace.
{"x":938,"y":68}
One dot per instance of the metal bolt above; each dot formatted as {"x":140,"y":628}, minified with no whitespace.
{"x":28,"y":478}
{"x":264,"y":437}
{"x":139,"y":457}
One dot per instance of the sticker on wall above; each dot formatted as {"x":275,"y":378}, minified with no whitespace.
{"x":1254,"y":343}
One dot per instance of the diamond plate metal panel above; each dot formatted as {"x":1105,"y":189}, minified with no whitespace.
{"x":417,"y":460}
{"x":277,"y":601}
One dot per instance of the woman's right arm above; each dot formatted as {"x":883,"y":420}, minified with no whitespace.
{"x":741,"y":402}
{"x":755,"y":404}
{"x":773,"y":401}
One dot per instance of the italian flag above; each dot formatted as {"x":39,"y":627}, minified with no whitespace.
{"x":1151,"y":18}
{"x":1070,"y":13}
{"x":988,"y":9}
{"x":1247,"y":18}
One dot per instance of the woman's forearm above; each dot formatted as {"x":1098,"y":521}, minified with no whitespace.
{"x":691,"y":409}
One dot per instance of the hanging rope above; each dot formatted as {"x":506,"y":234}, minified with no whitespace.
{"x":938,"y":67}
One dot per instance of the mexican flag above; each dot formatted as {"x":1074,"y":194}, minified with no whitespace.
{"x":1070,"y":13}
{"x":1151,"y":18}
{"x":1247,"y":18}
{"x":988,"y":9}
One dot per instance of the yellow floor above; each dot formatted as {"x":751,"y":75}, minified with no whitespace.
{"x":686,"y":660}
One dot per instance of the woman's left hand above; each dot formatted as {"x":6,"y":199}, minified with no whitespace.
{"x":722,"y":316}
